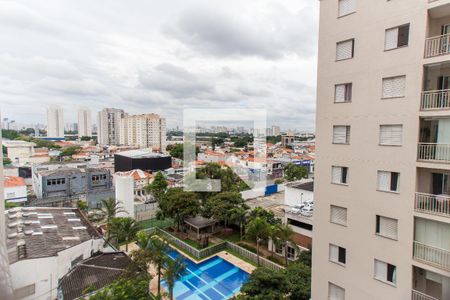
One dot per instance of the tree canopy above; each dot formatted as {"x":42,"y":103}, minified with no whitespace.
{"x":179,"y":204}
{"x":158,"y":186}
{"x":222,"y":206}
{"x":293,"y":172}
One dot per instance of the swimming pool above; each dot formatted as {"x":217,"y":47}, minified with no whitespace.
{"x":212,"y":279}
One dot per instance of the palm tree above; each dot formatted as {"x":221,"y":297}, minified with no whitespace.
{"x":157,"y":250}
{"x":130,"y":228}
{"x":110,"y":208}
{"x":239,"y":215}
{"x":174,"y":270}
{"x":283,"y":235}
{"x":258,"y":229}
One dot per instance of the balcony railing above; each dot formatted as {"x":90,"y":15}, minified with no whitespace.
{"x":437,"y":45}
{"x":435,"y":100}
{"x":433,"y":204}
{"x":434,"y":152}
{"x":433,"y":256}
{"x":416,"y":295}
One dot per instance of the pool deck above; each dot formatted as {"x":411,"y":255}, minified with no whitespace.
{"x":236,"y":261}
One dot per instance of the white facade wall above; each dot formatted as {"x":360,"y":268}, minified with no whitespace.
{"x":295,"y":196}
{"x":125,"y":194}
{"x":16,"y":194}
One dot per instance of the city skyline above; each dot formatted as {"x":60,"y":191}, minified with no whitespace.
{"x":183,"y":64}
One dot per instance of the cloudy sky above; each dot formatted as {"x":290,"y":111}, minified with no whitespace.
{"x":159,"y":56}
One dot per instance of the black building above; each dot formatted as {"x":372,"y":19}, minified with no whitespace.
{"x":139,"y":159}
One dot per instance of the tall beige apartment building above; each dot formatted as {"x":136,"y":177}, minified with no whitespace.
{"x":108,"y":125}
{"x":382,"y":211}
{"x":144,"y":131}
{"x":84,"y":122}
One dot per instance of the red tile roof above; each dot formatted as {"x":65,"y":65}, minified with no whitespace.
{"x":14,"y":181}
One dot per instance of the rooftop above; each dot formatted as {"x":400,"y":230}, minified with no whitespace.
{"x":137,"y":174}
{"x":14,"y":181}
{"x":302,"y":185}
{"x":97,"y":271}
{"x":36,"y":232}
{"x":200,"y":222}
{"x":140,"y":154}
{"x":17,"y":144}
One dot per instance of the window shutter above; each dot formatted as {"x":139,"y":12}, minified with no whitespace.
{"x":380,"y":270}
{"x":339,"y":93}
{"x":384,"y":180}
{"x":344,"y":50}
{"x":346,"y":7}
{"x":391,"y":135}
{"x":338,"y":215}
{"x":335,"y":292}
{"x":391,"y":39}
{"x":388,"y":227}
{"x":340,"y":134}
{"x":334,"y":253}
{"x":336,"y":175}
{"x":394,"y":87}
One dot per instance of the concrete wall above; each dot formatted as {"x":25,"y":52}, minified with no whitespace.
{"x":294,"y":196}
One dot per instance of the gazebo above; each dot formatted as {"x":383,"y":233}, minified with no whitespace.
{"x":201,"y":225}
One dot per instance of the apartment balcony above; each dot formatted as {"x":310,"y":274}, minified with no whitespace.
{"x":428,"y":285}
{"x":437,"y":45}
{"x":435,"y":100}
{"x":432,"y":204}
{"x":416,"y":295}
{"x":432,"y":256}
{"x":434,"y":152}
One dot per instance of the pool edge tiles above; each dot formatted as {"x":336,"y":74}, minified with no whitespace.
{"x":212,"y":279}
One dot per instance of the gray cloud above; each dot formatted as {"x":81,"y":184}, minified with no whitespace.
{"x":231,"y":34}
{"x":159,"y":57}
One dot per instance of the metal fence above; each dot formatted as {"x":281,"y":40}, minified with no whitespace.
{"x":211,"y":250}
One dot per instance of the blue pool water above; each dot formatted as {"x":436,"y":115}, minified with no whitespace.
{"x":212,"y":279}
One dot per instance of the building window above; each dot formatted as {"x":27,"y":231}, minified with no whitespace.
{"x":341,"y":134}
{"x":396,"y":37}
{"x":339,"y":175}
{"x":290,"y":252}
{"x":387,"y":227}
{"x":343,"y":93}
{"x":388,"y":181}
{"x":345,"y":49}
{"x":391,"y":135}
{"x":346,"y":7}
{"x":394,"y":87}
{"x":337,"y":254}
{"x":335,"y":292}
{"x":385,"y":272}
{"x":338,"y":215}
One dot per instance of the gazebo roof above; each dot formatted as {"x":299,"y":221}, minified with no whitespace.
{"x":200,"y":222}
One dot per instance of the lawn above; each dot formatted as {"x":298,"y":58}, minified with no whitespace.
{"x":156,"y":223}
{"x":196,"y":244}
{"x":233,"y":237}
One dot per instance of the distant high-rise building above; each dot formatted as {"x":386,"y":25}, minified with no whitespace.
{"x":276,"y":130}
{"x":6,"y":290}
{"x":84,"y":122}
{"x":108,"y":125}
{"x":146,"y":131}
{"x":55,"y":122}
